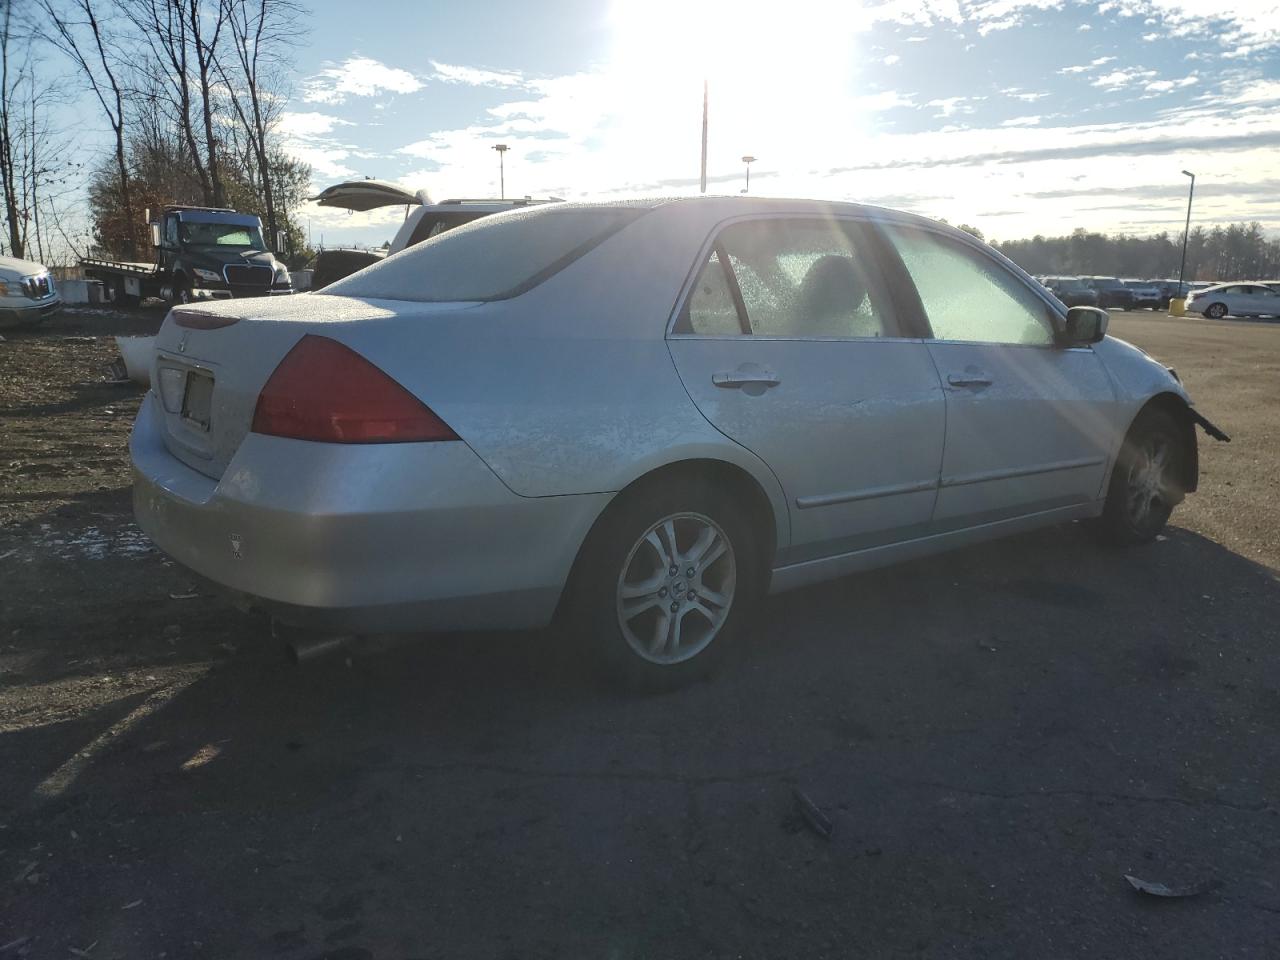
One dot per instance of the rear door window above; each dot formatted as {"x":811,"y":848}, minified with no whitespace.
{"x":793,"y":279}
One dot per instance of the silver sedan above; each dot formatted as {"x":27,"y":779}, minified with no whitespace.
{"x":641,"y":417}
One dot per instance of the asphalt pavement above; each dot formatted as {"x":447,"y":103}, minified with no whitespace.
{"x":998,"y":737}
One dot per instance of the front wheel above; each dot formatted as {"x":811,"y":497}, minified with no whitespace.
{"x":1147,"y":481}
{"x":1215,"y":311}
{"x":665,"y":584}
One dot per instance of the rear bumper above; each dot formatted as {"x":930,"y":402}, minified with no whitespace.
{"x":361,"y":538}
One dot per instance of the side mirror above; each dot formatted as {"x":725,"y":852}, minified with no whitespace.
{"x":280,"y":242}
{"x":1084,"y":325}
{"x":155,"y":234}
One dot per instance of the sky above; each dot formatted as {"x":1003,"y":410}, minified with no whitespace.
{"x":1017,"y":116}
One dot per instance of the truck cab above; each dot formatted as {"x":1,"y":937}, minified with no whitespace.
{"x":214,"y":253}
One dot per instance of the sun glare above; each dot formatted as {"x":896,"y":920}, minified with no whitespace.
{"x":774,"y":71}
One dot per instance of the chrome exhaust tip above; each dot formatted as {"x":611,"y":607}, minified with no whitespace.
{"x":301,"y":647}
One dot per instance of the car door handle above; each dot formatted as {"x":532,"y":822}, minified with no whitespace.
{"x":969,"y":380}
{"x":741,"y":378}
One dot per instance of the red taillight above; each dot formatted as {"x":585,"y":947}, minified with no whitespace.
{"x":202,"y":321}
{"x":327,"y":392}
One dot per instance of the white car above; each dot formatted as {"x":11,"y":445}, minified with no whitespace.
{"x":1235,"y":300}
{"x":27,"y":292}
{"x":423,"y":219}
{"x":642,"y":415}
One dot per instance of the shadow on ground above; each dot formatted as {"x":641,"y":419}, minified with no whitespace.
{"x":998,"y":735}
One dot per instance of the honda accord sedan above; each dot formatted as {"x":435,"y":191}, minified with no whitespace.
{"x":637,"y":419}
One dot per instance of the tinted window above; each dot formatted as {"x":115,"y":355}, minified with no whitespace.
{"x":434,"y":224}
{"x":797,"y":278}
{"x":967,"y":296}
{"x":494,"y":258}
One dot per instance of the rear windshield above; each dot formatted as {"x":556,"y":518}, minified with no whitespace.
{"x":493,"y":258}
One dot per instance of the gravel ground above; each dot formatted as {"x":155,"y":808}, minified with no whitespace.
{"x":999,"y":736}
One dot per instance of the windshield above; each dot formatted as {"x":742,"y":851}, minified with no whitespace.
{"x":491,"y":259}
{"x":232,"y":235}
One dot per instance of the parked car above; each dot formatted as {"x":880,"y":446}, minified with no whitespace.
{"x":642,"y":416}
{"x":1169,"y":289}
{"x":330,"y":266}
{"x":1111,"y":292}
{"x":27,"y":292}
{"x":1236,"y":300}
{"x":1072,"y":291}
{"x":423,"y":218}
{"x":1145,"y":293}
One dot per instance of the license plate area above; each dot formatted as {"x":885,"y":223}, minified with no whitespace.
{"x":197,"y":401}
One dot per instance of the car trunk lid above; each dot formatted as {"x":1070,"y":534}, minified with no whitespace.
{"x":210,"y":363}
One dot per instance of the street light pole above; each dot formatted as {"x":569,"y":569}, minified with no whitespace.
{"x":1186,"y":233}
{"x":502,"y":148}
{"x":704,"y":135}
{"x":748,"y":160}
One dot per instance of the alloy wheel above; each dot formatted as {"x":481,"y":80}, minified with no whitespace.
{"x":676,"y":588}
{"x":1149,"y":482}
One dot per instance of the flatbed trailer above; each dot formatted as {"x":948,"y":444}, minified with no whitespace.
{"x":202,"y":253}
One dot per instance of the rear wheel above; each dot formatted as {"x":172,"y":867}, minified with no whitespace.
{"x":666,"y":583}
{"x":1215,"y":311}
{"x":1147,"y":481}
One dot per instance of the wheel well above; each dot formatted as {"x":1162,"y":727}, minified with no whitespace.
{"x":715,"y":472}
{"x":1177,"y":408}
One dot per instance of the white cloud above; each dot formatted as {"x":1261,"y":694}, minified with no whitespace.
{"x":1022,"y":121}
{"x":1083,"y":27}
{"x":879,"y":102}
{"x":326,"y":161}
{"x":1086,"y":67}
{"x":358,"y":77}
{"x":475,"y":77}
{"x":1119,"y":79}
{"x":950,"y":106}
{"x":1164,"y":86}
{"x":890,"y":60}
{"x":1242,"y":26}
{"x":309,"y":124}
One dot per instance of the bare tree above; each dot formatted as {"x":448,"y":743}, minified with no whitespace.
{"x":164,"y":25}
{"x":100,"y":71}
{"x":258,"y":29}
{"x":10,"y":83}
{"x":205,"y":47}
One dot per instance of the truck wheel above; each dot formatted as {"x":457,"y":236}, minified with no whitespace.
{"x":181,"y":291}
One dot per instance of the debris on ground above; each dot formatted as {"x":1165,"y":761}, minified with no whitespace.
{"x":817,"y":821}
{"x":1161,"y":890}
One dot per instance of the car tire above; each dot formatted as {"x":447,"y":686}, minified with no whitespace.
{"x":1147,"y":481}
{"x":641,"y":610}
{"x":1215,"y":311}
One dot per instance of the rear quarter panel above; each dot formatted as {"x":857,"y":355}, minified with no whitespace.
{"x":569,"y":388}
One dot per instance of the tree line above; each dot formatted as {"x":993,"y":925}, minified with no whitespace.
{"x":192,"y":92}
{"x":1239,"y":251}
